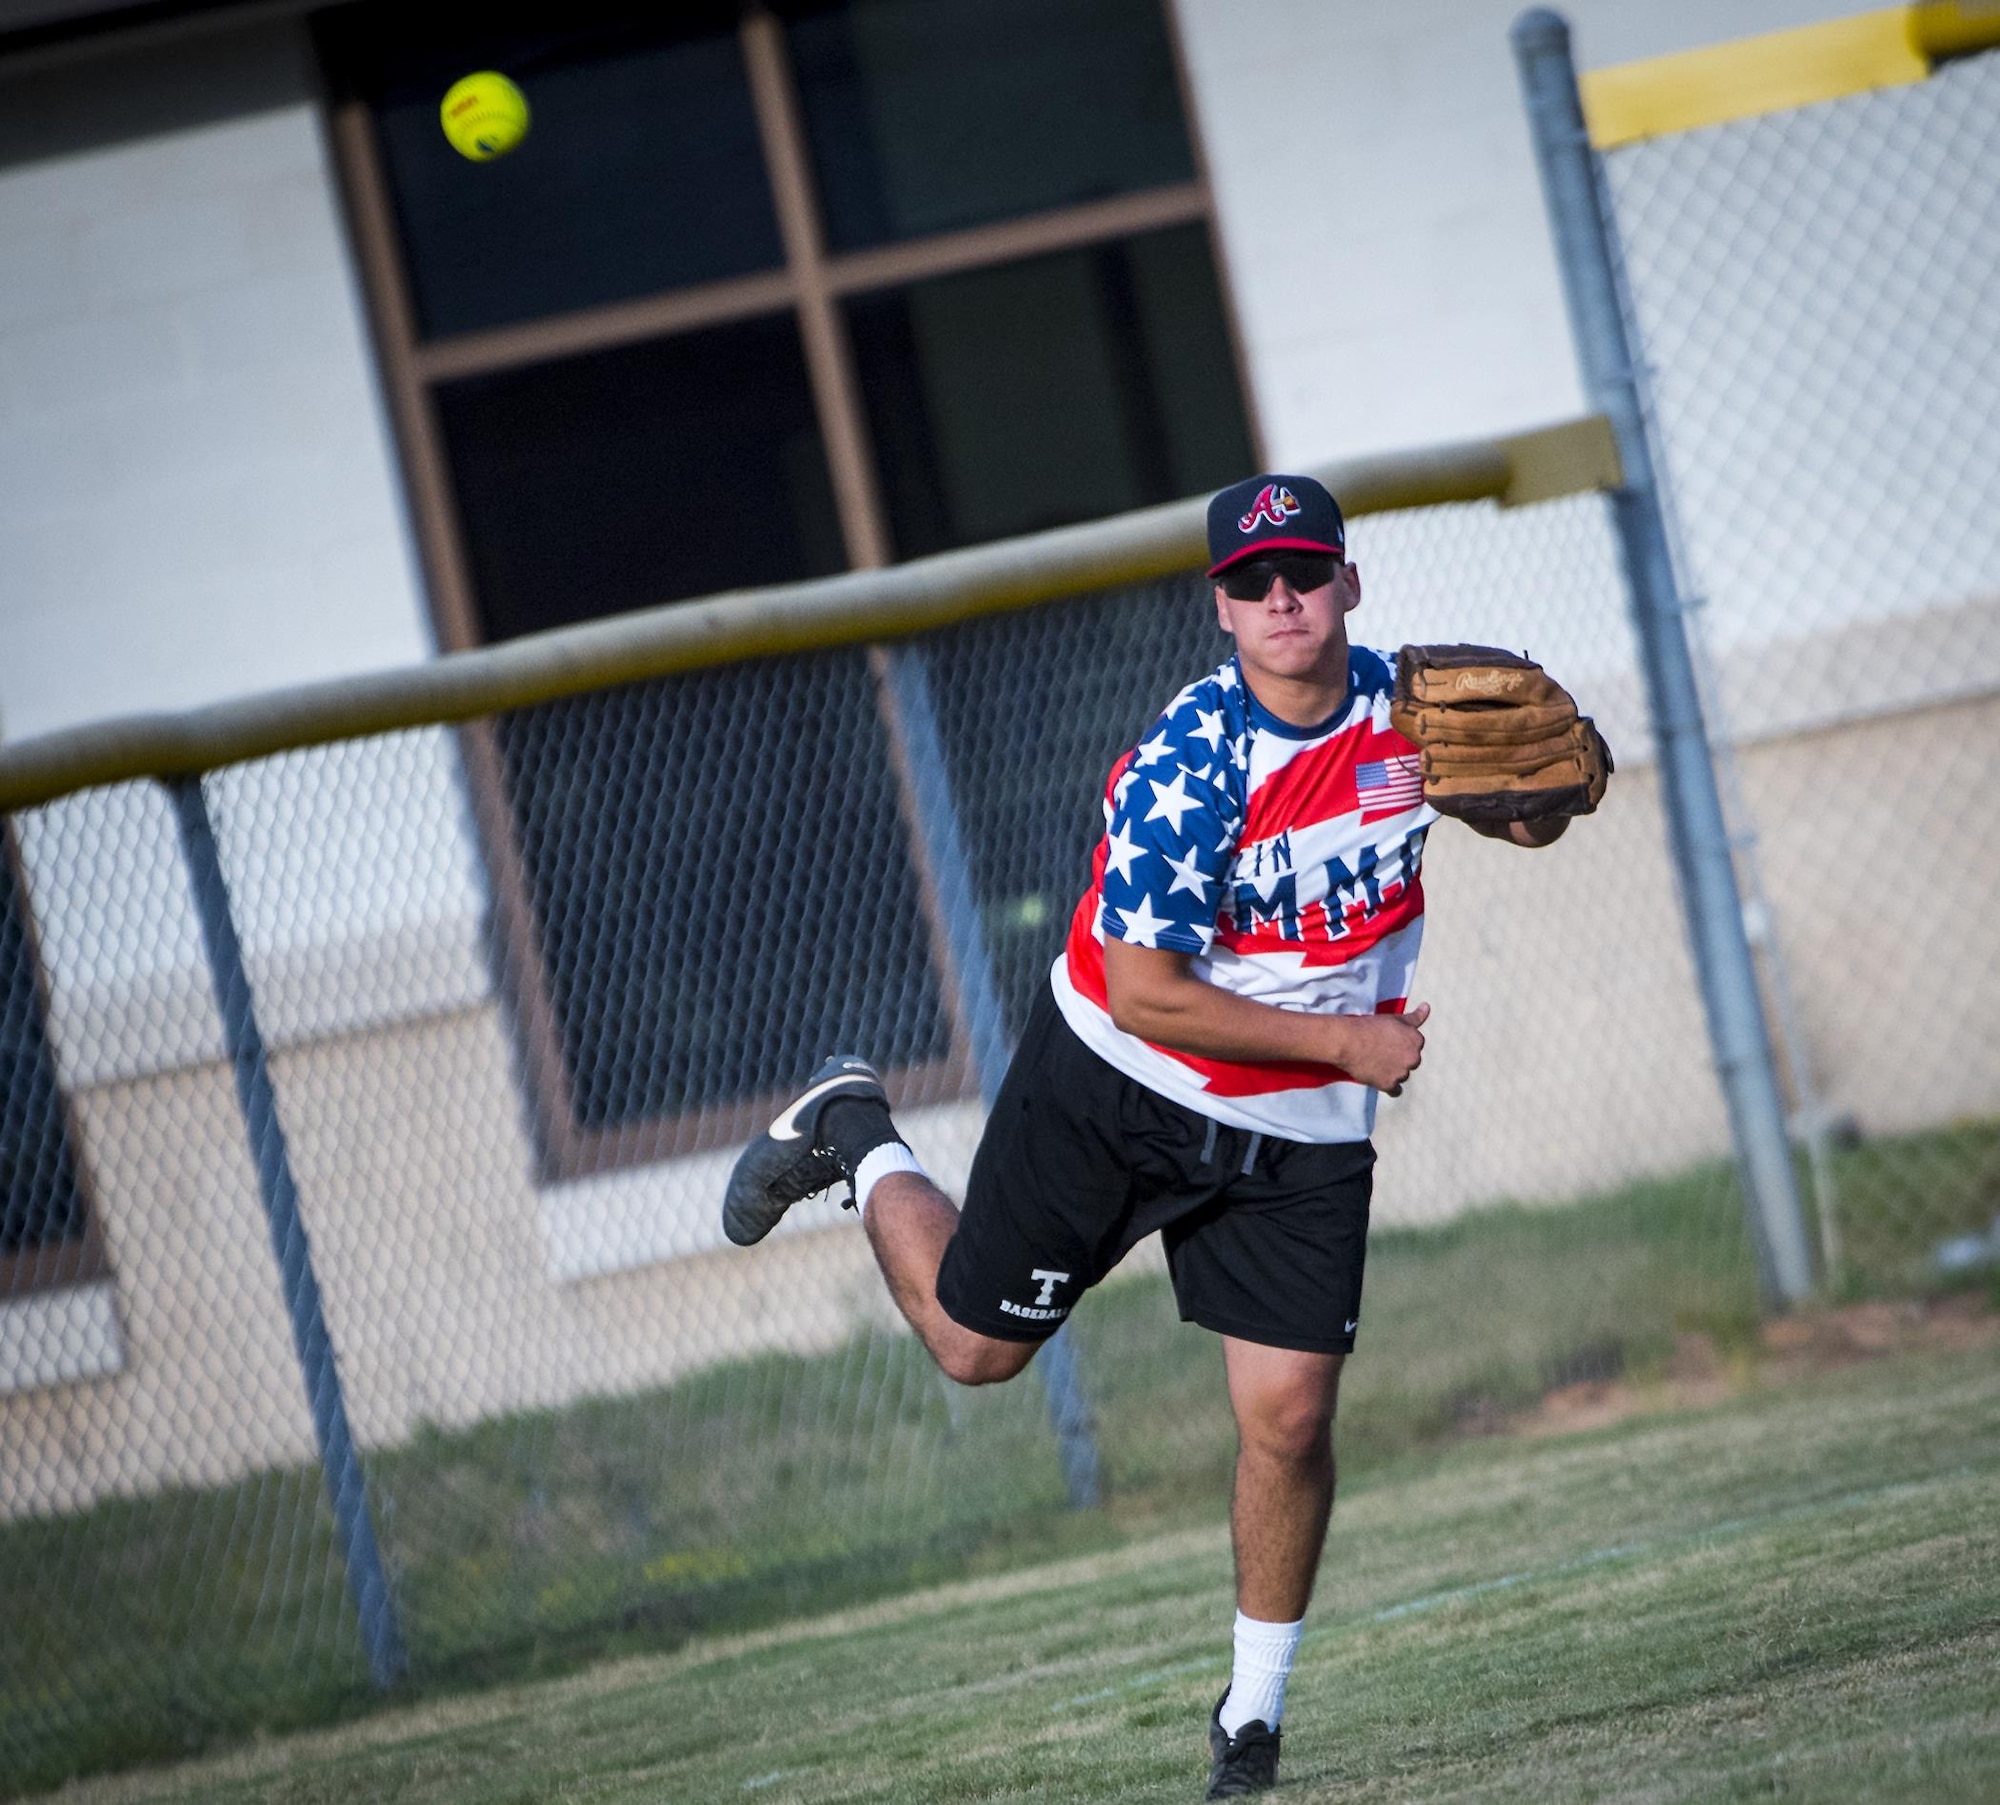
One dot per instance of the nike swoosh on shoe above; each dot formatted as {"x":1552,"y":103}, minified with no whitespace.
{"x":786,"y":1127}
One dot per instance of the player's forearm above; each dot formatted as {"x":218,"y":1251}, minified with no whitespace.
{"x":1192,"y":1016}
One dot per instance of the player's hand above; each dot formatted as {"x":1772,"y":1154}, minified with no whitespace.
{"x":1385,"y":1049}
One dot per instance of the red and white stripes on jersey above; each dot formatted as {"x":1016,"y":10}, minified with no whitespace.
{"x":1286,"y":861}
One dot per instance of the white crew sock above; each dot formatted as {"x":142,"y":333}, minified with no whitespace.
{"x":1264,"y":1655}
{"x":891,"y":1156}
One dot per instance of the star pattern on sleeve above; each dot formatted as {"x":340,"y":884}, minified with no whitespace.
{"x":1170,"y":800}
{"x":1142,"y":926}
{"x":1121,"y":850}
{"x":1172,"y":827}
{"x":1188,"y":876}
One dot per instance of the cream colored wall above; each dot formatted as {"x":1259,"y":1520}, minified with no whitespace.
{"x":425,"y":1220}
{"x":1884,"y":869}
{"x":210,"y":1389}
{"x":1567,"y":1050}
{"x":1567,"y":1054}
{"x":419,"y":1200}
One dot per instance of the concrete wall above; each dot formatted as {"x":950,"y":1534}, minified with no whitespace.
{"x":1878,"y":844}
{"x":1567,"y":1047}
{"x":1381,"y":216}
{"x":209,"y":1389}
{"x":440,"y":1281}
{"x":196,"y":489}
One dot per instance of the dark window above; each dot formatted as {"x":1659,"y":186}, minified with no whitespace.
{"x":42,"y":1219}
{"x":1079,"y":682}
{"x":641,"y":170}
{"x":718,"y":875}
{"x":676,"y":467}
{"x":1040,"y":393}
{"x":930,"y":115}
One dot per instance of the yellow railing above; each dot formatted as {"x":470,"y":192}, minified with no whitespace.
{"x":1781,"y":70}
{"x":1571,"y":458}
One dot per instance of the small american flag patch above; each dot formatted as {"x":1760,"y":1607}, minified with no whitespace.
{"x":1390,"y":783}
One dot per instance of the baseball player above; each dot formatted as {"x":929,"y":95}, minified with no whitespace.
{"x":1233,"y":997}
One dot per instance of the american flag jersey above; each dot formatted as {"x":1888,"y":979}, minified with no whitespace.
{"x":1286,"y":860}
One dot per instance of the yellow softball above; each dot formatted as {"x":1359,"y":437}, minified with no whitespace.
{"x":484,"y":115}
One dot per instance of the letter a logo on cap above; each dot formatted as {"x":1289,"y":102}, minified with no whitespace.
{"x":1274,"y":503}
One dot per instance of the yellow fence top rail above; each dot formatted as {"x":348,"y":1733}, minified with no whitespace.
{"x":1782,"y":69}
{"x":1570,"y":458}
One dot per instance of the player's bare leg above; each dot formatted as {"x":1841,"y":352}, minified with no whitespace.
{"x":838,"y":1129}
{"x":909,"y":1221}
{"x":1284,"y":1404}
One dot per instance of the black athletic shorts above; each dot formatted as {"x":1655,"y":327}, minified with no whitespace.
{"x":1265,"y":1238}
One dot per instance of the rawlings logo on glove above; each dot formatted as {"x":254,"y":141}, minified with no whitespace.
{"x":1501,"y":739}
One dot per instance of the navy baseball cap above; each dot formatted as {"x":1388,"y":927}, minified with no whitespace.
{"x":1265,"y":514}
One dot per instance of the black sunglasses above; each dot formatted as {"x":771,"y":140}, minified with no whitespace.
{"x":1251,"y":580}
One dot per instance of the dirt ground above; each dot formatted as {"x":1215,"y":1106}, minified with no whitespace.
{"x":1789,"y":1348}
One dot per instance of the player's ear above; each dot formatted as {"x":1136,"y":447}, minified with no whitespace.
{"x":1222,"y":612}
{"x":1350,"y":584}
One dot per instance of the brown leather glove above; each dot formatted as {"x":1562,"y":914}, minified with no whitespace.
{"x":1501,"y":739}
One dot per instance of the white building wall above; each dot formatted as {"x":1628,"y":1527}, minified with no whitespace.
{"x":197,"y":495}
{"x":1381,"y":217}
{"x":197,"y":492}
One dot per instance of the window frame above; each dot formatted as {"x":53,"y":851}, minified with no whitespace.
{"x":811,"y":286}
{"x":76,"y":1259}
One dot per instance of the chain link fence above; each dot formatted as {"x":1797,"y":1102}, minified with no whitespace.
{"x":1814,"y":290}
{"x":526,"y":985}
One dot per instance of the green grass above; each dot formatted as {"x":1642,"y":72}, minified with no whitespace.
{"x":1796,"y":1594}
{"x":1898,"y":1196}
{"x":769,"y":1488}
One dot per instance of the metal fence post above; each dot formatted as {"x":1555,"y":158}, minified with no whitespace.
{"x":1586,"y":248}
{"x":340,"y":1461}
{"x":1057,"y":1365}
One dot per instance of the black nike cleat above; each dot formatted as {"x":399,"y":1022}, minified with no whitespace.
{"x":1244,"y":1763}
{"x":790,"y":1160}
